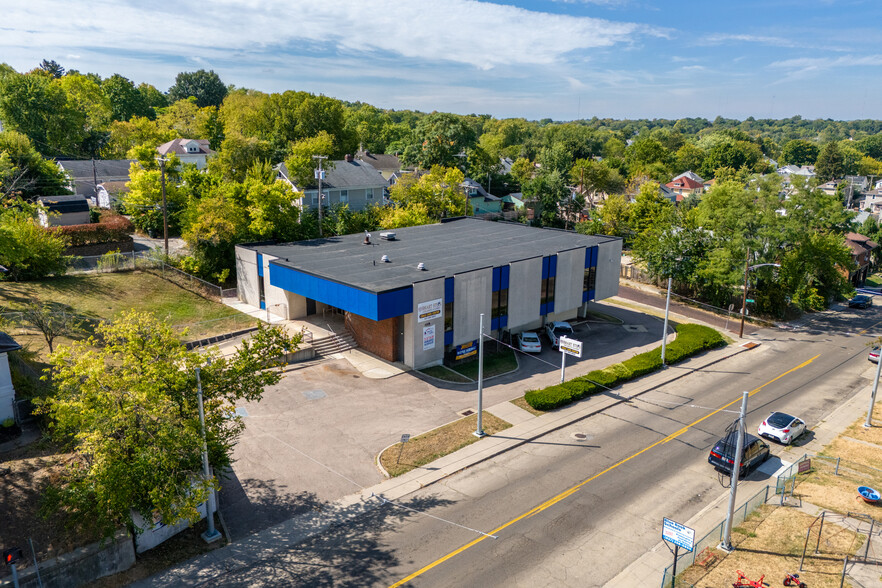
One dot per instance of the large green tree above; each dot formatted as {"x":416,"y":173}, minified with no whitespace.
{"x":205,"y":86}
{"x":27,"y":250}
{"x":830,"y":164}
{"x":799,"y":152}
{"x":440,"y":139}
{"x":126,"y":100}
{"x":125,"y":401}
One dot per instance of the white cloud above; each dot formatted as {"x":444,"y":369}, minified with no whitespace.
{"x":773,"y":41}
{"x":804,"y":67}
{"x":480,"y":34}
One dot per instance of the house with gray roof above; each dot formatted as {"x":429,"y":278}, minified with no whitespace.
{"x":348,"y":181}
{"x":64,"y":210}
{"x":97,"y":179}
{"x":196,"y":151}
{"x":384,"y":163}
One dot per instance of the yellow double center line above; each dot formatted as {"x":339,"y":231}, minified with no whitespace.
{"x":574,"y":489}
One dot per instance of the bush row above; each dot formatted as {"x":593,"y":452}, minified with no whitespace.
{"x":691,"y":339}
{"x":113,"y":227}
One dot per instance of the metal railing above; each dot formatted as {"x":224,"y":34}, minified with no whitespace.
{"x":715,"y":536}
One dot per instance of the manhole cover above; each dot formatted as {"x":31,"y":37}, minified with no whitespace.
{"x":634,"y":328}
{"x":466,"y":412}
{"x":581,"y":436}
{"x":314,"y":394}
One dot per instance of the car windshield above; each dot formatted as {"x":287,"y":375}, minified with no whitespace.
{"x":779,"y":420}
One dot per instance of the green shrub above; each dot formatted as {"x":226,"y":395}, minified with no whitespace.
{"x":691,"y":340}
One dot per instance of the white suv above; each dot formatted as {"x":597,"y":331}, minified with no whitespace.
{"x":555,"y":330}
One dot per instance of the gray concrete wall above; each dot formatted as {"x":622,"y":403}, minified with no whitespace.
{"x":524,"y":285}
{"x":79,"y":567}
{"x":276,"y":298}
{"x":569,"y":281}
{"x":296,"y":305}
{"x":472,"y":295}
{"x":246,"y":276}
{"x":609,"y":262}
{"x":414,"y":355}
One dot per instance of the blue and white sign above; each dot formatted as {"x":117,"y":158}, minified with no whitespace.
{"x":678,"y":534}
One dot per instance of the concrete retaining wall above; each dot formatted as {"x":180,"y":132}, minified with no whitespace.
{"x":79,"y":567}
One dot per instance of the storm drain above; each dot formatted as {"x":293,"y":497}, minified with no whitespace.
{"x":634,"y":328}
{"x":314,"y":394}
{"x":581,"y":436}
{"x":466,"y":412}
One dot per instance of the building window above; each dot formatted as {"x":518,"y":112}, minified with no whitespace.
{"x":315,"y":199}
{"x":589,"y":280}
{"x":260,"y":291}
{"x":547,"y":290}
{"x":448,"y":317}
{"x":500,"y":303}
{"x":369,"y":193}
{"x":344,"y":196}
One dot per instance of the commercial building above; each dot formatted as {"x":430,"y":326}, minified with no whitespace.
{"x":415,"y":294}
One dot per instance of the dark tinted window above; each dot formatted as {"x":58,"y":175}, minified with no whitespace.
{"x":779,"y":420}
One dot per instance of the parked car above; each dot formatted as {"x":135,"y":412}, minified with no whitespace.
{"x":780,"y":426}
{"x":861,"y":301}
{"x":529,"y":342}
{"x":874,"y":354}
{"x":555,"y":330}
{"x":722,"y":456}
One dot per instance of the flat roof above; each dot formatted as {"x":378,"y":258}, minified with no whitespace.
{"x":448,"y":248}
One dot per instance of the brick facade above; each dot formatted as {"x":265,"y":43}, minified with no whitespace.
{"x":378,"y":337}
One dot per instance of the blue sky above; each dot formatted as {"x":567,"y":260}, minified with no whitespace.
{"x":559,"y":59}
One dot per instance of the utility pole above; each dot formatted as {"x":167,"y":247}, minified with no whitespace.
{"x":744,"y":298}
{"x":320,"y":175}
{"x":665,"y":331}
{"x":95,"y":179}
{"x":869,"y":423}
{"x":162,"y":161}
{"x":726,"y":545}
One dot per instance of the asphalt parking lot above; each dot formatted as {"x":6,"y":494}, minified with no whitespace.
{"x":315,"y":436}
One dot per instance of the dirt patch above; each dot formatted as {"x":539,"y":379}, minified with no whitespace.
{"x":770,"y":543}
{"x":872,"y":434}
{"x":425,"y":448}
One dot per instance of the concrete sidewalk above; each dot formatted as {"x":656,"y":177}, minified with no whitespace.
{"x":526,"y":428}
{"x":649,"y":568}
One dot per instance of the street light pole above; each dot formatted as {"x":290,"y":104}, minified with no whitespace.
{"x":726,"y":545}
{"x":479,"y":431}
{"x":665,"y":331}
{"x":212,"y":534}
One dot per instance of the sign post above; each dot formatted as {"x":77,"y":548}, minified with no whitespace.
{"x":567,"y":346}
{"x":404,"y":439}
{"x":680,"y":536}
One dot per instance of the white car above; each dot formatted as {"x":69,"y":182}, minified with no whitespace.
{"x":781,"y":427}
{"x":529,"y":342}
{"x":555,"y":330}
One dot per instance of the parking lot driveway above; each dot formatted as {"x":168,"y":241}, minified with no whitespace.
{"x":315,"y":436}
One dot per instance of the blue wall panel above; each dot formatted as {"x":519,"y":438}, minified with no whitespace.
{"x":448,"y":290}
{"x":260,"y":264}
{"x":497,"y":277}
{"x":448,"y":338}
{"x":367,"y":304}
{"x":552,"y":265}
{"x":506,"y":270}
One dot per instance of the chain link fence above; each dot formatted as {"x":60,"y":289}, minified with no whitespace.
{"x":152,"y":261}
{"x":714,"y":537}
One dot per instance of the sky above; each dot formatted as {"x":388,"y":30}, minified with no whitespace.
{"x":558,"y":59}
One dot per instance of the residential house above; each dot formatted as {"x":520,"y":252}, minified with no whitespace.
{"x":861,"y":249}
{"x":870,"y":201}
{"x":691,"y":175}
{"x":685,"y":185}
{"x":384,"y":163}
{"x":64,"y":210}
{"x":860,"y":183}
{"x":7,"y":392}
{"x":829,"y":188}
{"x":99,"y":180}
{"x":347,"y":181}
{"x":669,"y":194}
{"x":483,"y":203}
{"x":196,"y":151}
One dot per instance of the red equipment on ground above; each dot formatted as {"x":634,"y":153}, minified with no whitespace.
{"x":744,"y":582}
{"x":793,"y":580}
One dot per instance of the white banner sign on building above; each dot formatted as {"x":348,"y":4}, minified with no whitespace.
{"x":430,"y":310}
{"x":428,"y":337}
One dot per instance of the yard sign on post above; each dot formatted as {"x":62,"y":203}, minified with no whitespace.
{"x":567,"y":346}
{"x":680,"y":536}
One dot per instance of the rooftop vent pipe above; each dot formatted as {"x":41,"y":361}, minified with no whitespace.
{"x":421,"y":266}
{"x":385,"y":259}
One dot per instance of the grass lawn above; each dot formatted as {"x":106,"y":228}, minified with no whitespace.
{"x":770,"y":543}
{"x":495,"y":363}
{"x":445,"y":373}
{"x":103,"y":296}
{"x":439,"y":442}
{"x":874,"y":281}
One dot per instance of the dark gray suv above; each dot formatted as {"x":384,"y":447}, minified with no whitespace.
{"x":722,"y":456}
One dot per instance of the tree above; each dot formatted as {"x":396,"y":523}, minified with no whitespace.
{"x":144,"y":198}
{"x":650,"y":209}
{"x":549,"y":196}
{"x":52,"y":68}
{"x":405,"y":216}
{"x":205,"y":86}
{"x":300,"y":162}
{"x":52,"y":320}
{"x":27,"y":250}
{"x":438,"y":191}
{"x":125,"y":99}
{"x":799,"y":152}
{"x":24,"y":172}
{"x":125,"y":401}
{"x":152,"y":97}
{"x":830,"y":164}
{"x":439,"y":139}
